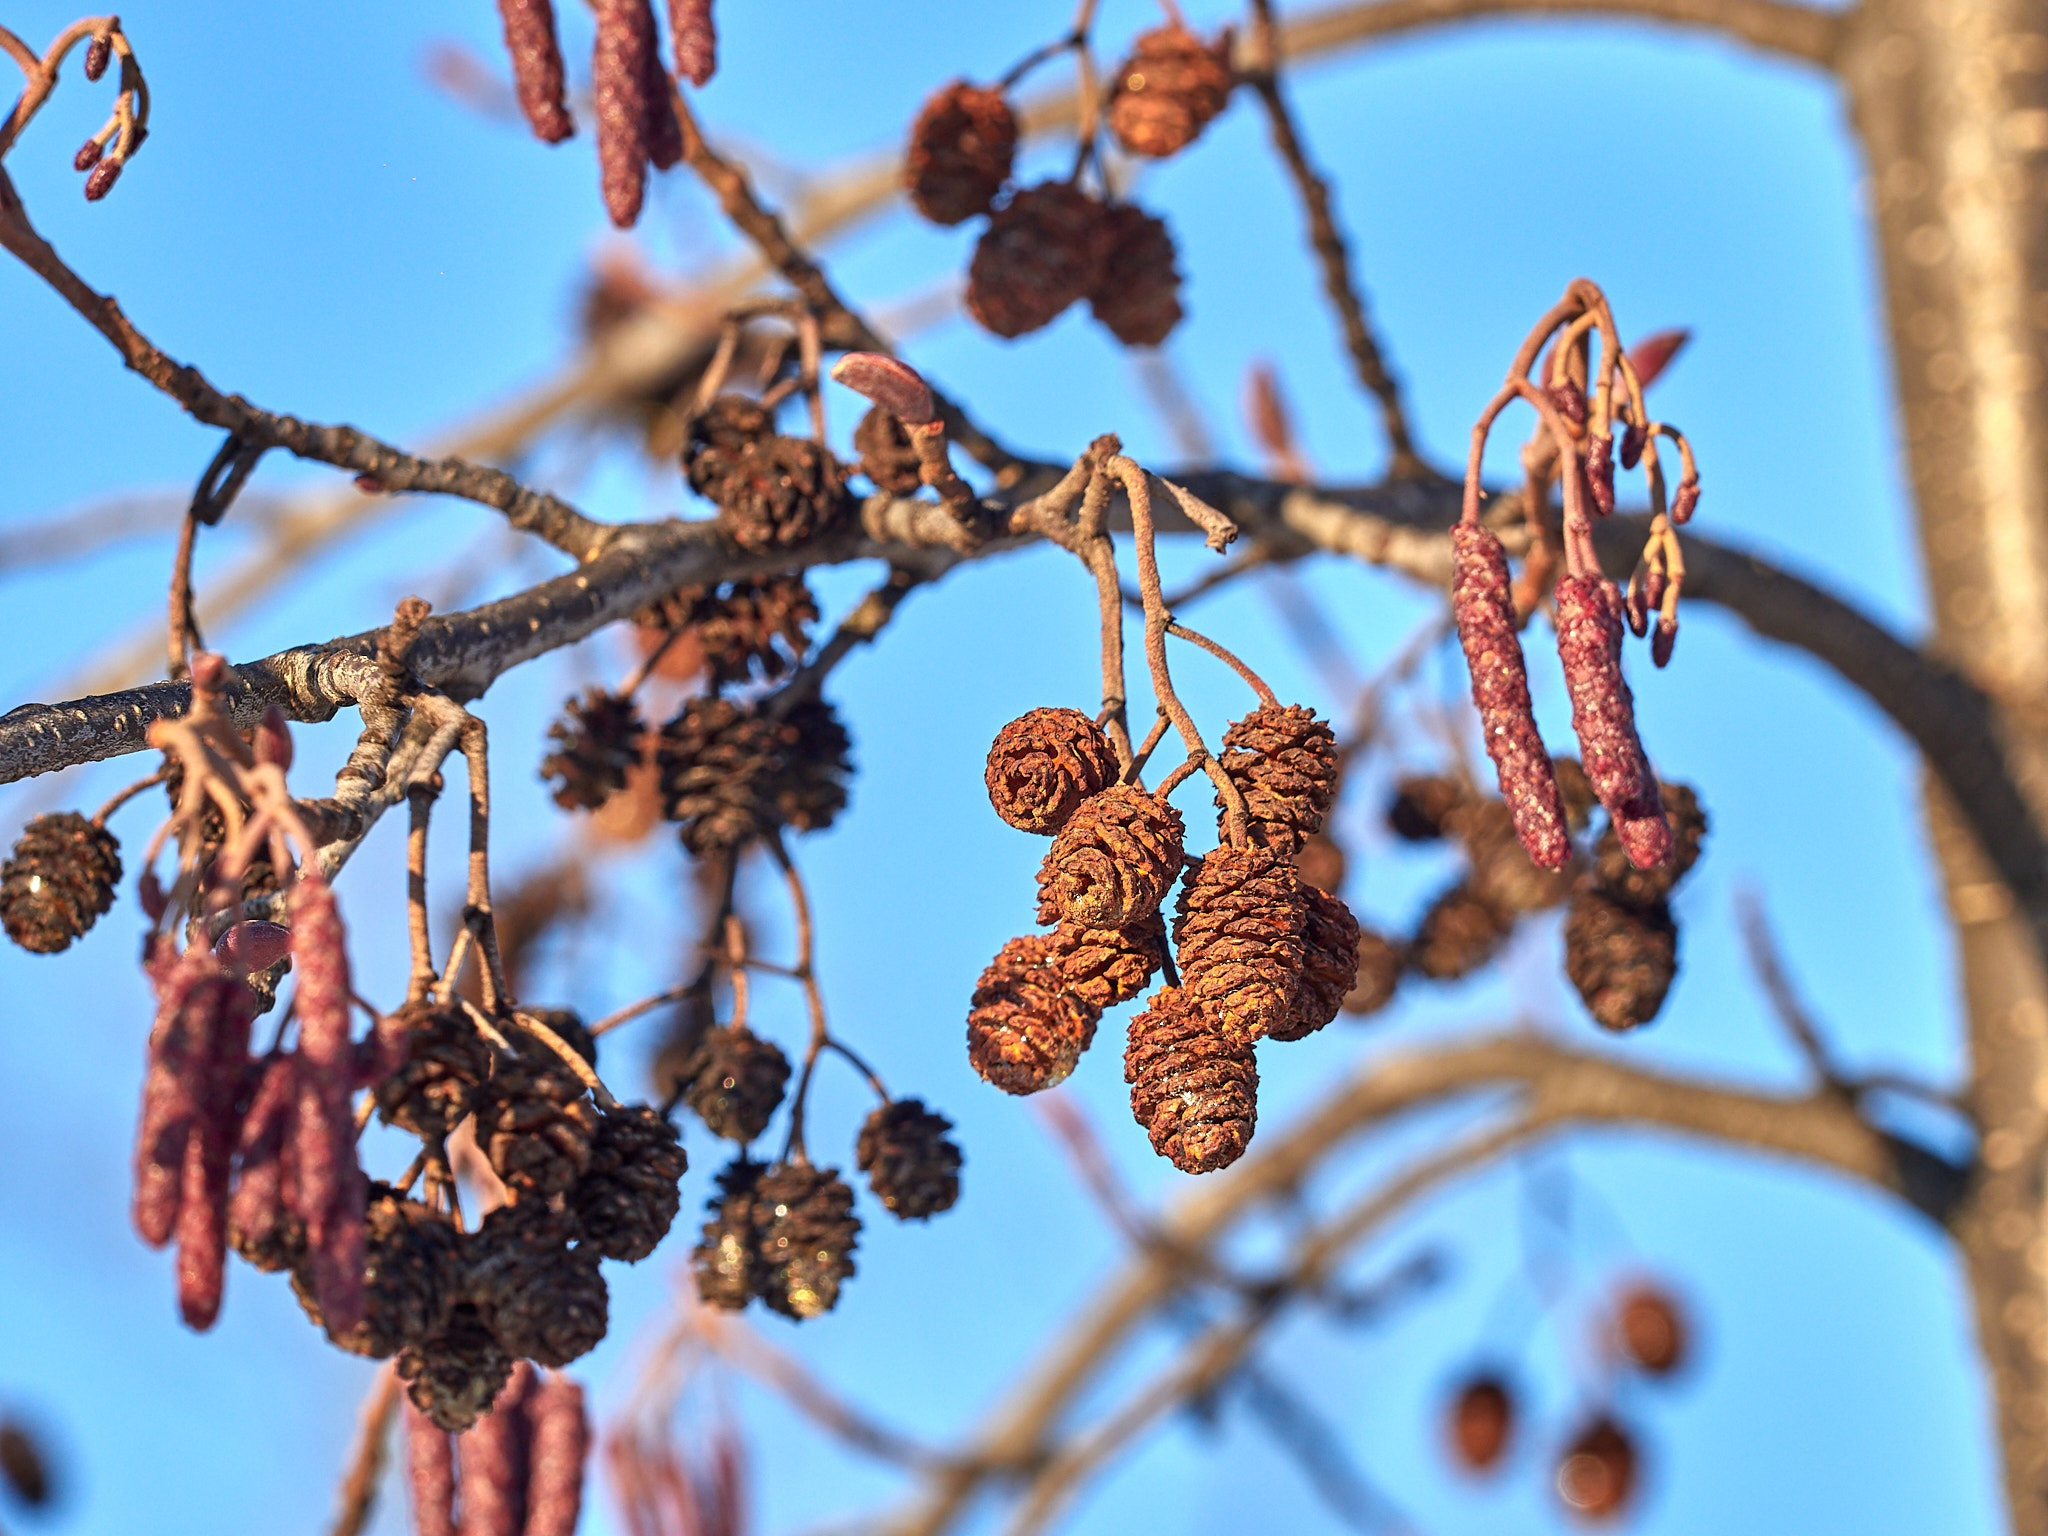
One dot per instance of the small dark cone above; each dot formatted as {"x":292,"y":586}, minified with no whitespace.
{"x":1621,"y":958}
{"x":1482,"y":1422}
{"x":543,"y":1299}
{"x":1615,"y":877}
{"x":912,"y":1165}
{"x":1238,"y":936}
{"x":1651,"y":1330}
{"x":1043,"y":764}
{"x":1380,"y":964}
{"x":600,"y":742}
{"x":1597,"y":1473}
{"x":1194,"y":1088}
{"x":1041,"y":252}
{"x":1501,"y":872}
{"x":1575,"y":790}
{"x":565,"y":1024}
{"x":455,"y":1376}
{"x":1283,"y":760}
{"x":719,"y":435}
{"x":535,"y":1126}
{"x":715,"y":759}
{"x":1025,"y":1030}
{"x":1459,"y":933}
{"x":628,"y":1197}
{"x":59,"y":881}
{"x":1107,"y":966}
{"x":23,"y":1466}
{"x":443,"y":1061}
{"x":1115,"y":859}
{"x":1330,"y":970}
{"x":742,"y":629}
{"x":727,"y":1258}
{"x":412,"y":1273}
{"x":1422,"y":806}
{"x":738,"y":1084}
{"x":813,"y":764}
{"x":1321,"y":863}
{"x":961,"y":149}
{"x":808,"y":1235}
{"x":886,"y":455}
{"x":779,"y":492}
{"x":1138,"y":294}
{"x":1169,"y":90}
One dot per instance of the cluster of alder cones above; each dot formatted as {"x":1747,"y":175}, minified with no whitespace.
{"x":1257,"y":953}
{"x":1052,"y":244}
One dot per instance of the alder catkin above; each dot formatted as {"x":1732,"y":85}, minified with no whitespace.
{"x":260,"y":1226}
{"x":169,"y":1103}
{"x":491,"y":1456}
{"x":695,"y":35}
{"x":430,"y":1472}
{"x":1589,"y":629}
{"x":329,"y":1187}
{"x":557,"y":1452}
{"x":619,"y":72}
{"x":537,"y":71}
{"x":219,"y":1079}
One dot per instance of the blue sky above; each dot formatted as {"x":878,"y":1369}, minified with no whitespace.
{"x":317,"y":227}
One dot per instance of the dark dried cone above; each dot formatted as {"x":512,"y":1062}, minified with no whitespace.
{"x":1043,"y":764}
{"x":1320,"y":862}
{"x":912,"y":1165}
{"x":809,"y":788}
{"x":1330,"y":970}
{"x":620,"y":72}
{"x":1501,"y":873}
{"x":1614,"y":875}
{"x":628,"y":1198}
{"x":1194,"y":1087}
{"x":1138,"y":294}
{"x":1651,"y":1330}
{"x":545,"y":1300}
{"x":1380,"y":964}
{"x":727,"y":1258}
{"x":58,"y":882}
{"x":1107,"y":966}
{"x":886,"y":455}
{"x":739,"y":1084}
{"x":1238,"y":935}
{"x":743,"y":629}
{"x":23,"y":1466}
{"x":1167,"y":91}
{"x":1115,"y":859}
{"x":1025,"y":1030}
{"x":719,"y":434}
{"x":412,"y":1274}
{"x":808,"y":1235}
{"x":535,"y":1126}
{"x":1460,"y":932}
{"x":455,"y":1376}
{"x":1482,"y":1421}
{"x":1423,"y":805}
{"x":1283,"y":760}
{"x":1597,"y":1473}
{"x":716,"y":759}
{"x":537,"y":67}
{"x":1484,"y":607}
{"x":599,"y":740}
{"x":781,"y":491}
{"x":1621,"y":958}
{"x":1042,"y":251}
{"x":1589,"y":631}
{"x":961,"y":149}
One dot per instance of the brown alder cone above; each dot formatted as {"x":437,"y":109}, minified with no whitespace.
{"x":1168,"y":90}
{"x":1621,"y":958}
{"x":1460,"y":932}
{"x":727,"y":1258}
{"x":1042,"y":251}
{"x":619,"y":73}
{"x":58,"y":882}
{"x":718,"y":435}
{"x":492,"y":1459}
{"x":742,"y":629}
{"x":714,"y":758}
{"x":1482,"y":1422}
{"x":1330,"y":969}
{"x":1597,"y":1473}
{"x":1283,"y":760}
{"x":1651,"y":1330}
{"x":442,"y":1060}
{"x":781,"y":491}
{"x":1616,"y":876}
{"x":629,"y":1195}
{"x":453,"y":1376}
{"x":961,"y":150}
{"x":1043,"y":764}
{"x":537,"y":71}
{"x":430,"y":1473}
{"x":912,"y":1165}
{"x":599,"y":738}
{"x":1238,"y":934}
{"x":808,"y":790}
{"x":1423,"y":805}
{"x":1589,"y":631}
{"x":412,"y":1276}
{"x":535,"y":1125}
{"x":1114,"y":860}
{"x":25,"y":1466}
{"x":1194,"y":1087}
{"x":543,"y":1299}
{"x":1137,"y":297}
{"x":1320,"y":862}
{"x":738,"y":1082}
{"x":887,"y":456}
{"x":1500,"y":872}
{"x":558,"y":1448}
{"x":1107,"y":966}
{"x":1484,"y":607}
{"x":807,"y":1237}
{"x":1380,"y":964}
{"x":1025,"y":1031}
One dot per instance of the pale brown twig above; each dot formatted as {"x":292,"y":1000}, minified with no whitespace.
{"x":366,"y":1464}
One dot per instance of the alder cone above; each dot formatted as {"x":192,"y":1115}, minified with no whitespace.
{"x":628,"y":1197}
{"x":912,"y":1165}
{"x":1320,"y":862}
{"x":1114,"y":860}
{"x":741,"y":629}
{"x":24,"y":1468}
{"x":1043,"y":764}
{"x":1041,"y":252}
{"x":1380,"y":964}
{"x":1651,"y":1330}
{"x":1194,"y":1087}
{"x":1482,"y":1422}
{"x":886,"y":455}
{"x":738,"y":1083}
{"x":1621,"y":958}
{"x":58,"y":882}
{"x":715,"y":759}
{"x":455,"y":1376}
{"x":1330,"y":969}
{"x":961,"y":149}
{"x":808,"y":1235}
{"x":599,"y":743}
{"x":1238,"y":933}
{"x":1423,"y":806}
{"x":1025,"y":1030}
{"x":779,"y":492}
{"x":535,"y":1126}
{"x":1137,"y":297}
{"x":1459,"y":933}
{"x":1614,"y":875}
{"x":808,"y":790}
{"x":543,"y":1299}
{"x":1169,"y":90}
{"x":719,"y":434}
{"x":1597,"y":1473}
{"x":1107,"y":966}
{"x":1283,"y":760}
{"x":727,"y":1258}
{"x":1500,"y":871}
{"x":412,"y":1275}
{"x":442,"y":1060}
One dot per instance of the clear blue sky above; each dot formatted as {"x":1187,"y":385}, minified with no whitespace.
{"x":318,"y":228}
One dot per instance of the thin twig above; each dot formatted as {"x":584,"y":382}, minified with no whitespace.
{"x":366,"y":1465}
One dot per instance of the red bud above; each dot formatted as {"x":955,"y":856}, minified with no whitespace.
{"x":1653,"y":354}
{"x":1687,"y":500}
{"x":88,"y":155}
{"x":98,"y":53}
{"x":891,"y":383}
{"x":274,"y":739}
{"x":1632,"y":441}
{"x":102,"y":180}
{"x":253,"y":946}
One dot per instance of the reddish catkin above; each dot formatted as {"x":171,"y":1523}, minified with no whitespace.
{"x":537,"y":67}
{"x":664,"y":129}
{"x":1485,"y":612}
{"x":558,"y":1450}
{"x":168,"y":1106}
{"x":696,"y":39}
{"x":209,"y":1150}
{"x":256,"y":1209}
{"x":1589,"y":628}
{"x":328,"y":1188}
{"x":619,"y":73}
{"x":491,"y":1456}
{"x":430,"y":1468}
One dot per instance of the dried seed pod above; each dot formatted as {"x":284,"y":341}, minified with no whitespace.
{"x":430,"y":1472}
{"x":492,"y":1458}
{"x":1482,"y":1422}
{"x":261,"y":1226}
{"x":628,"y":1197}
{"x":887,"y":456}
{"x":1043,"y":764}
{"x":1459,"y":933}
{"x":738,"y":1083}
{"x":742,"y":629}
{"x":1651,"y":1329}
{"x":1041,"y":252}
{"x":1501,"y":873}
{"x":912,"y":1165}
{"x":1194,"y":1087}
{"x":1380,"y":964}
{"x":559,"y":1447}
{"x":1283,"y":760}
{"x":1106,"y":966}
{"x":1137,"y":296}
{"x":535,"y":1126}
{"x":1320,"y":862}
{"x":714,"y":759}
{"x":1169,"y":89}
{"x":327,"y":1188}
{"x":1484,"y":607}
{"x":1025,"y":1030}
{"x":1330,"y":969}
{"x":961,"y":149}
{"x":1114,"y":860}
{"x":58,"y":882}
{"x":619,"y":72}
{"x":1238,"y":933}
{"x":808,"y":790}
{"x":412,"y":1275}
{"x":543,"y":1299}
{"x":1613,"y":873}
{"x":727,"y":1258}
{"x":1589,"y":628}
{"x":537,"y":71}
{"x":1423,"y":806}
{"x":454,"y":1376}
{"x":442,"y":1061}
{"x":781,"y":491}
{"x":695,"y":36}
{"x":807,"y":1237}
{"x":1621,"y":958}
{"x":1597,"y":1473}
{"x":600,"y":743}
{"x":23,"y":1466}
